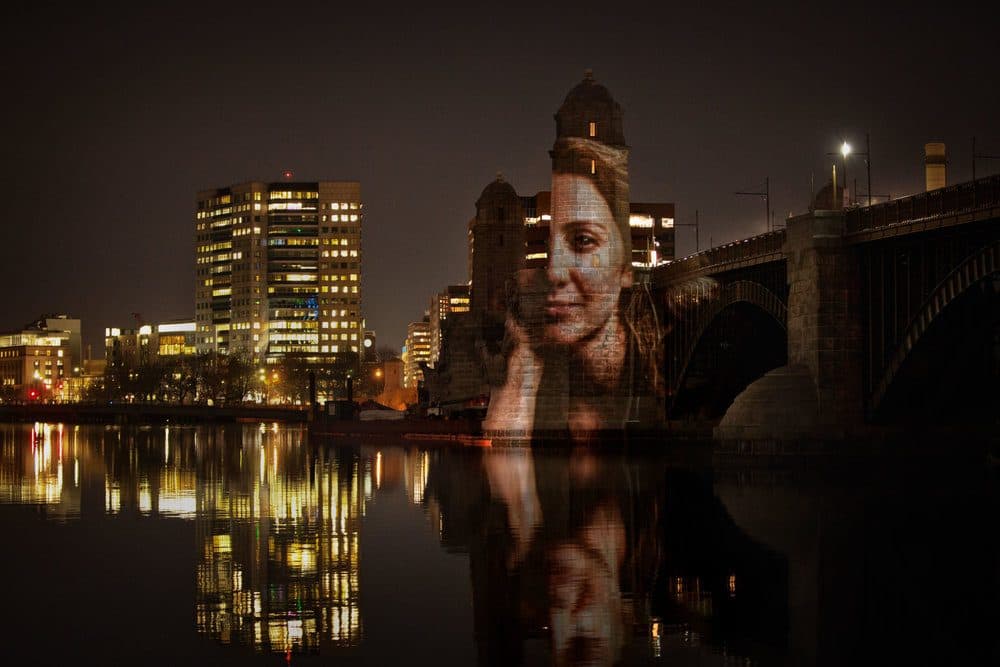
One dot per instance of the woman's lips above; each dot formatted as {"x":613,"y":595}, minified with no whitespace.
{"x":560,"y":309}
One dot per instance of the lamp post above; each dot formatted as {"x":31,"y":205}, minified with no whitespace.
{"x":846,"y":150}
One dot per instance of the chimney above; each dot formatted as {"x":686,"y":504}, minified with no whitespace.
{"x":935,"y":165}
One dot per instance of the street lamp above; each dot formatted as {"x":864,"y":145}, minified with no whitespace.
{"x":846,"y":150}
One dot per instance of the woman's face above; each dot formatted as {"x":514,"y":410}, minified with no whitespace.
{"x":577,"y":293}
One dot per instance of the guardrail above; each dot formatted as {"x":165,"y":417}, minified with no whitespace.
{"x":731,"y":253}
{"x":983,"y":193}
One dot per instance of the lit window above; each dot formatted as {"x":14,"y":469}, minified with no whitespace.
{"x":593,"y":129}
{"x":593,"y":166}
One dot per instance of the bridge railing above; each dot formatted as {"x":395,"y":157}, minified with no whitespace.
{"x":730,"y":253}
{"x":973,"y":195}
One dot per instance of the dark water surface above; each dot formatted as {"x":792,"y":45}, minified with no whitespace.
{"x":248,"y":545}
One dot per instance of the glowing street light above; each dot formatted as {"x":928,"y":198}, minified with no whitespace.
{"x":846,"y":150}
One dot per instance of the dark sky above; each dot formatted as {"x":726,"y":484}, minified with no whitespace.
{"x":115,"y":117}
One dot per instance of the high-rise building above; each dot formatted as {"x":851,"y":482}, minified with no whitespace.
{"x":416,"y":350}
{"x":454,"y":300}
{"x":279,"y":269}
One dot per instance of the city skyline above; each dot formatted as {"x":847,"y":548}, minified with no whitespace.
{"x":123,"y":117}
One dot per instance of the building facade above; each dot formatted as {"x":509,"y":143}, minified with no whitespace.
{"x":40,"y":361}
{"x":278,"y":269}
{"x":496,"y":247}
{"x":416,"y":351}
{"x":147,"y":341}
{"x":452,"y":301}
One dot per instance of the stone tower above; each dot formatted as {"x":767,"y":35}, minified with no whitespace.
{"x":497,"y":238}
{"x":589,"y":113}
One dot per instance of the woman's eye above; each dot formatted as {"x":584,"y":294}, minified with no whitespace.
{"x":584,"y":241}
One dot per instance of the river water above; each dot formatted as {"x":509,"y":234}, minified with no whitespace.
{"x":249,"y":544}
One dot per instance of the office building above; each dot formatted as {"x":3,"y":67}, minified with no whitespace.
{"x":279,"y":269}
{"x":416,"y":350}
{"x":454,"y":300}
{"x":145,"y":342}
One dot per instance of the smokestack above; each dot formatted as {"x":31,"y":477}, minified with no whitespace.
{"x":935,"y":165}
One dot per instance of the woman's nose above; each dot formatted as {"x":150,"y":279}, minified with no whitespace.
{"x":558,"y":262}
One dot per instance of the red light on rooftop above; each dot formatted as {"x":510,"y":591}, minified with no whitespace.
{"x":287,"y":174}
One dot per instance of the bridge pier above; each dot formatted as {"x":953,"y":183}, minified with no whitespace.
{"x":819,"y":393}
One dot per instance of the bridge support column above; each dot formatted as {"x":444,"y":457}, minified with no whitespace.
{"x":824,"y":316}
{"x":818,"y":394}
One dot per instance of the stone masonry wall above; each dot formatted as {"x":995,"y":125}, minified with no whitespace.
{"x":824,"y":314}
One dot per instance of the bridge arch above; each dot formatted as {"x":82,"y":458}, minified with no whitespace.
{"x":738,"y":292}
{"x":973,"y":270}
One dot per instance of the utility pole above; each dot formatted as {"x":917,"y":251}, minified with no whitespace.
{"x":868,"y":164}
{"x":766,"y":194}
{"x":979,"y":156}
{"x":694,"y":224}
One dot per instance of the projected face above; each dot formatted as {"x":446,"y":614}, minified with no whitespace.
{"x":585,"y":615}
{"x":577,"y":293}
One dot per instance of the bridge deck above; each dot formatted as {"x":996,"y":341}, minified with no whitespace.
{"x":958,"y":204}
{"x":752,"y":251}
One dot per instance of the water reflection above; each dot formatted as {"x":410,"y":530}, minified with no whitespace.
{"x":278,"y":532}
{"x":579,"y":557}
{"x":40,"y":466}
{"x":594,"y":559}
{"x":277,"y":526}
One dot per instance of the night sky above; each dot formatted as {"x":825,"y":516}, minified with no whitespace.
{"x":114,"y":118}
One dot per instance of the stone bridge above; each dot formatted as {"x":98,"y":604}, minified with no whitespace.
{"x":847,"y":316}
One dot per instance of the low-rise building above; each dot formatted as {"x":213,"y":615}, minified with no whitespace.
{"x":37,"y":361}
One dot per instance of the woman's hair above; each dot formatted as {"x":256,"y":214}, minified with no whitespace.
{"x":646,"y":332}
{"x":607,"y":167}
